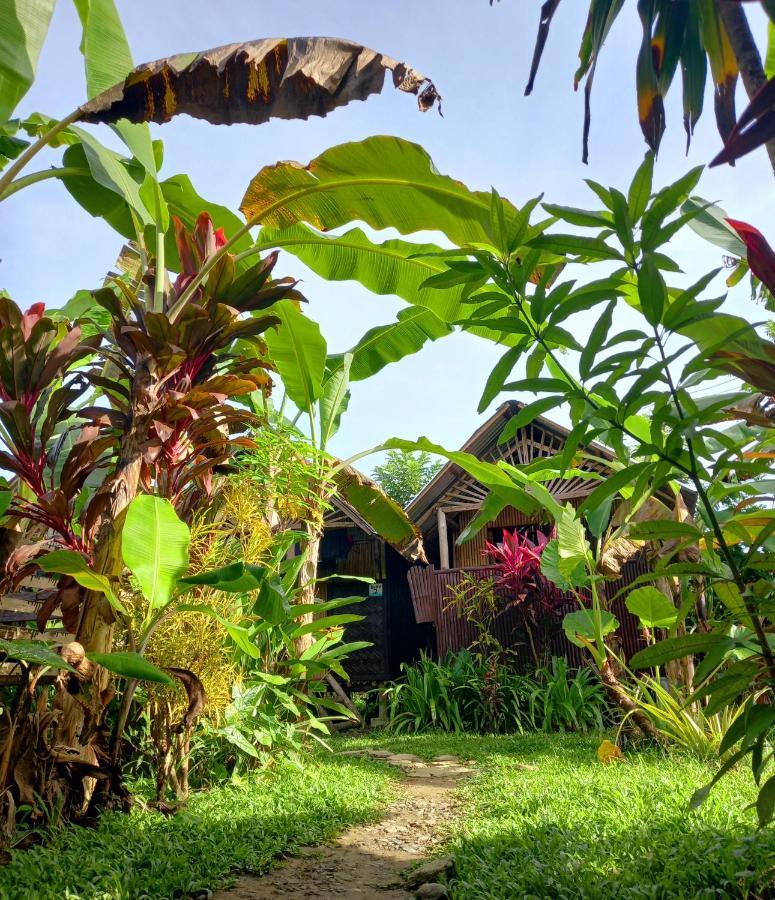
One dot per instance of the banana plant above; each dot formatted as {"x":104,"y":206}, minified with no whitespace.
{"x":251,"y":83}
{"x":318,"y":387}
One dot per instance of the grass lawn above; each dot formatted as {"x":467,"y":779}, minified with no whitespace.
{"x":236,"y":828}
{"x":576,"y":828}
{"x":570,"y":828}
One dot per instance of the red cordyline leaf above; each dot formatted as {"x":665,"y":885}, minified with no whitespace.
{"x":761,"y":257}
{"x":34,"y":314}
{"x":518,"y":560}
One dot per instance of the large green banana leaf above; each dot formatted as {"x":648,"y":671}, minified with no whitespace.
{"x":392,"y":267}
{"x":389,"y":343}
{"x":384,"y":181}
{"x":154,"y":546}
{"x":108,"y":59}
{"x":298,"y":349}
{"x":23,"y":28}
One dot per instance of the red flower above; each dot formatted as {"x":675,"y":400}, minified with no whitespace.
{"x":761,"y":257}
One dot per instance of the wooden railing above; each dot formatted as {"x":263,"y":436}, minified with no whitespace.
{"x":432,"y":591}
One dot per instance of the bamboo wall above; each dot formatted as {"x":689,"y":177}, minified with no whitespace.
{"x":430,"y":590}
{"x":471,"y":554}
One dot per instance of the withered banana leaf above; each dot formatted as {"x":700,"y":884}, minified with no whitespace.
{"x":286,"y":78}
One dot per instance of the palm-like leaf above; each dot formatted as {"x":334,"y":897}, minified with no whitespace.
{"x":689,"y":34}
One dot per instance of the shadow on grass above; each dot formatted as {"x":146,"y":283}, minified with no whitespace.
{"x":223,"y":831}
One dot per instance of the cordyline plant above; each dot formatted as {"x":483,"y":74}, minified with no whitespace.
{"x":160,"y":418}
{"x":518,"y":561}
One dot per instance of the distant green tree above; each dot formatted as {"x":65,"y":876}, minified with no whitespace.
{"x":405,"y":474}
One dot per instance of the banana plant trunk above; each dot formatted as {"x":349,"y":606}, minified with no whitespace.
{"x":308,"y":574}
{"x":621,"y":698}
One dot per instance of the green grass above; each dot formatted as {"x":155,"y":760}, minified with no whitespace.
{"x":225,"y":830}
{"x":577,"y":829}
{"x":572,"y":828}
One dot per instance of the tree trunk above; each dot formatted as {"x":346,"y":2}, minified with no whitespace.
{"x":307,"y":576}
{"x":530,"y":639}
{"x":620,"y":697}
{"x":749,"y":60}
{"x":83,"y":711}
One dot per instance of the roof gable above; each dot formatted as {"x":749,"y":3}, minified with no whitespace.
{"x":456,"y":490}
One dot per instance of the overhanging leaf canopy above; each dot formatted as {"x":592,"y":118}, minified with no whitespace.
{"x":286,"y":78}
{"x":686,"y":33}
{"x":384,"y":515}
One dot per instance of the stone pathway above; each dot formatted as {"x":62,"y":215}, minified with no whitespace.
{"x":379,"y":859}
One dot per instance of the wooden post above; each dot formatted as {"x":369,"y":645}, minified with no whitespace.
{"x":441,"y":520}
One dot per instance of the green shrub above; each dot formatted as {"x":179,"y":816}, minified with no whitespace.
{"x":566,"y":700}
{"x":471,"y":692}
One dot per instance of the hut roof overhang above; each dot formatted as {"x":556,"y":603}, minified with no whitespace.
{"x":456,"y":491}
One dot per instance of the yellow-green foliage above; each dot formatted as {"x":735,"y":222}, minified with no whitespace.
{"x":195,"y":641}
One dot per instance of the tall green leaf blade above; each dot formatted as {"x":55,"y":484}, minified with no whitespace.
{"x":23,"y":29}
{"x":154,"y":546}
{"x":234,"y":578}
{"x":298,"y":349}
{"x":675,"y":648}
{"x":109,"y":170}
{"x":68,"y":562}
{"x":336,"y":396}
{"x":35,"y":652}
{"x":130,"y":665}
{"x":392,"y":267}
{"x":381,"y":512}
{"x":108,"y":60}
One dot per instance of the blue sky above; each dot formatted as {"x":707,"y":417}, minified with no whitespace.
{"x":490,"y":135}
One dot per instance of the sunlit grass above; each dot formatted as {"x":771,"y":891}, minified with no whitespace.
{"x":568,"y":828}
{"x":575,"y":828}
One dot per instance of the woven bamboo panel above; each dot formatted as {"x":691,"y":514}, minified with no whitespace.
{"x":431,"y":593}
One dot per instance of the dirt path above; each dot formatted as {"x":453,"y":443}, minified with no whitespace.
{"x":369,"y":860}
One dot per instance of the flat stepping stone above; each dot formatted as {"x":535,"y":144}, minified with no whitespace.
{"x":431,"y":890}
{"x":444,"y":758}
{"x":403,"y":757}
{"x":446,"y":771}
